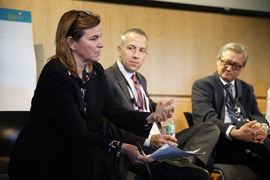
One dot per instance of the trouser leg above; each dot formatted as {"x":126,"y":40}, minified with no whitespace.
{"x":92,"y":163}
{"x":234,"y":152}
{"x":203,"y":135}
{"x":83,"y":163}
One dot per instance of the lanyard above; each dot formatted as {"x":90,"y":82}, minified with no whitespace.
{"x":236,"y":108}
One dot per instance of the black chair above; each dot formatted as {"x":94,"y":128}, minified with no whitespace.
{"x":11,"y":124}
{"x":229,"y":171}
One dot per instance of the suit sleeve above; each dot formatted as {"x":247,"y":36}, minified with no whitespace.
{"x":110,"y":130}
{"x":204,"y":106}
{"x":249,"y":103}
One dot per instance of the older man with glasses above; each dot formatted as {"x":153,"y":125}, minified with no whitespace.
{"x":230,"y":103}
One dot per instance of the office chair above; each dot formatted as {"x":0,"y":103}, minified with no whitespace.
{"x":11,"y":124}
{"x":229,"y":171}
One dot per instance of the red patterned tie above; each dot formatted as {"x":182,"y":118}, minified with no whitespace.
{"x":138,"y":90}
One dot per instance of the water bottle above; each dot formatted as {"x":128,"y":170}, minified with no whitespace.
{"x":168,"y":127}
{"x":267,"y":115}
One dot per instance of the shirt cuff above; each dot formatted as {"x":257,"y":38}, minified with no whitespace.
{"x":147,"y":126}
{"x":228,"y":132}
{"x":147,"y":141}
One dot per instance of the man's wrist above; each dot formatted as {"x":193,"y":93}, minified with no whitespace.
{"x":229,"y":132}
{"x":148,"y":119}
{"x":267,"y":127}
{"x":114,"y":148}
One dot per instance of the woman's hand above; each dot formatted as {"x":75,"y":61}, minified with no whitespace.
{"x":134,"y":155}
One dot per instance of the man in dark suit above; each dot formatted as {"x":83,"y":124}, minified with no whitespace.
{"x":132,"y":52}
{"x":230,"y":103}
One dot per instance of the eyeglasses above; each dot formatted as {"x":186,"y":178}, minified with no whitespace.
{"x":234,"y":66}
{"x":81,"y":14}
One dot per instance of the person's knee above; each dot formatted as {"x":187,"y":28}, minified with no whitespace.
{"x":208,"y":125}
{"x":210,"y":128}
{"x":213,"y":126}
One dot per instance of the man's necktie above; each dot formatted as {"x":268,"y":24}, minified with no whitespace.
{"x":230,"y":104}
{"x":138,"y":90}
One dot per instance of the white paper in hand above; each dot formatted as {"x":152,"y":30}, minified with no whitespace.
{"x":167,"y":151}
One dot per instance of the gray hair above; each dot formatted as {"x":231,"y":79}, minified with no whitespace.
{"x":134,"y":30}
{"x":235,"y":47}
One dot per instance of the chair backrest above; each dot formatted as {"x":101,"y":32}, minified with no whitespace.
{"x":11,"y":124}
{"x":188,"y":116}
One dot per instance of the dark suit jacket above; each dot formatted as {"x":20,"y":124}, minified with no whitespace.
{"x":58,"y":123}
{"x":208,"y":102}
{"x":118,"y":84}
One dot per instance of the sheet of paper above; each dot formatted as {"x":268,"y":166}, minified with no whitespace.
{"x":17,"y":60}
{"x":167,"y":151}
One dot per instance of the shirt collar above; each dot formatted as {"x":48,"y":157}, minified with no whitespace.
{"x":225,"y":82}
{"x":123,"y":70}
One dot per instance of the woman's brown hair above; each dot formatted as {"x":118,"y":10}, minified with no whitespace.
{"x":72,"y":23}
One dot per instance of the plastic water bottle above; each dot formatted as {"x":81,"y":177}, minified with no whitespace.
{"x":168,"y":127}
{"x":267,"y":115}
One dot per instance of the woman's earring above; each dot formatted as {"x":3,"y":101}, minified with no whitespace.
{"x":73,"y":50}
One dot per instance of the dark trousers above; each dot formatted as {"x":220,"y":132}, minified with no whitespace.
{"x":83,"y":163}
{"x":234,"y":152}
{"x":202,"y":135}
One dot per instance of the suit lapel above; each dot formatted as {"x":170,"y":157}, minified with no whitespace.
{"x":122,"y":82}
{"x":219,"y":96}
{"x":143,"y":83}
{"x":238,"y":89}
